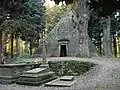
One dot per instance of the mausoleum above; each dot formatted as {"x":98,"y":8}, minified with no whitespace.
{"x":63,"y":39}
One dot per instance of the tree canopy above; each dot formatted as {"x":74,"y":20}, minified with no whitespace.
{"x":103,"y":7}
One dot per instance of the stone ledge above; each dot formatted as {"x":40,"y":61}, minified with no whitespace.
{"x":36,"y":75}
{"x":35,"y":83}
{"x":60,"y":83}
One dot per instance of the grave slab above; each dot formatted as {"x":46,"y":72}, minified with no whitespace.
{"x":36,"y":76}
{"x":67,"y":78}
{"x":64,"y":82}
{"x":36,"y":70}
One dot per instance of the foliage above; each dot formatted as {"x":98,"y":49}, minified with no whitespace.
{"x":95,"y":29}
{"x":66,"y":1}
{"x":24,"y":18}
{"x":10,"y":12}
{"x":29,"y":15}
{"x":62,"y":68}
{"x":115,"y":21}
{"x":54,"y":14}
{"x":103,"y":7}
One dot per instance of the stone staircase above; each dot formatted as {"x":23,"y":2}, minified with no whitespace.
{"x":36,"y":76}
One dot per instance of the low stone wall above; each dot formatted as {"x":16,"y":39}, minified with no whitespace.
{"x":9,"y":73}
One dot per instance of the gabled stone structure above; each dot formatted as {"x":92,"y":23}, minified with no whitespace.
{"x":63,"y":39}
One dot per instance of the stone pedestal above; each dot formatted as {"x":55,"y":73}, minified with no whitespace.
{"x":9,"y":73}
{"x":36,"y":76}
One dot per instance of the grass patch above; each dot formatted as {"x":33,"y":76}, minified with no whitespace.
{"x":19,"y":60}
{"x":62,"y":68}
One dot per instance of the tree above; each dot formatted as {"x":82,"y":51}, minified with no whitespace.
{"x":115,"y":21}
{"x":95,"y":31}
{"x":21,"y":16}
{"x":54,"y":14}
{"x":33,"y":21}
{"x":10,"y":11}
{"x":81,"y":26}
{"x":103,"y":9}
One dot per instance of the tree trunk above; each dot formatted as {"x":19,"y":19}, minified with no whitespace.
{"x":3,"y":44}
{"x":17,"y":45}
{"x":38,"y":42}
{"x":115,"y":45}
{"x":4,"y":41}
{"x":118,"y":38}
{"x":82,"y":26}
{"x":44,"y":58}
{"x":12,"y":40}
{"x":26,"y":47}
{"x":0,"y":47}
{"x":107,"y":44}
{"x":30,"y":48}
{"x":100,"y":48}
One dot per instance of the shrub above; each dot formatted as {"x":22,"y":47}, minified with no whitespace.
{"x":62,"y":68}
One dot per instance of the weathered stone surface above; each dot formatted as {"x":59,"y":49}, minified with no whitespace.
{"x":105,"y":76}
{"x":67,"y":78}
{"x":63,"y":33}
{"x":9,"y":73}
{"x":64,"y":81}
{"x":63,"y":30}
{"x":36,"y":76}
{"x":36,"y":70}
{"x":36,"y":79}
{"x":44,"y":66}
{"x":8,"y":79}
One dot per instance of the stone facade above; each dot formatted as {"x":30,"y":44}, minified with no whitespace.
{"x":63,"y":38}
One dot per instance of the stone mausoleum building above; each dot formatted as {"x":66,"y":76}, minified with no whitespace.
{"x":63,"y":39}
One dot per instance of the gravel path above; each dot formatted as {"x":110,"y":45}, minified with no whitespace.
{"x":105,"y":76}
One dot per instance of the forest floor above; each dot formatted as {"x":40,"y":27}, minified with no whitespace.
{"x":105,"y":76}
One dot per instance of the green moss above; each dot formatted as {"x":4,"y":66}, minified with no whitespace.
{"x":62,"y":68}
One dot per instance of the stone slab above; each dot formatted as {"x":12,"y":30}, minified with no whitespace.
{"x":60,"y":83}
{"x":7,"y":79}
{"x":44,"y":66}
{"x":17,"y":65}
{"x":5,"y":71}
{"x":67,"y":78}
{"x":37,"y":75}
{"x":32,"y":83}
{"x":36,"y":70}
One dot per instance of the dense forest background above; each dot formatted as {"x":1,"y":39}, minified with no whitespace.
{"x":23,"y":24}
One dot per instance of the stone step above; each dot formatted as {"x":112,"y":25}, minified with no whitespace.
{"x":67,"y":78}
{"x":8,"y":79}
{"x":62,"y":82}
{"x":44,"y":66}
{"x":37,"y":82}
{"x":36,"y":70}
{"x":37,"y":75}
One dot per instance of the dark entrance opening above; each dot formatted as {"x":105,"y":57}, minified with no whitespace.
{"x":63,"y":51}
